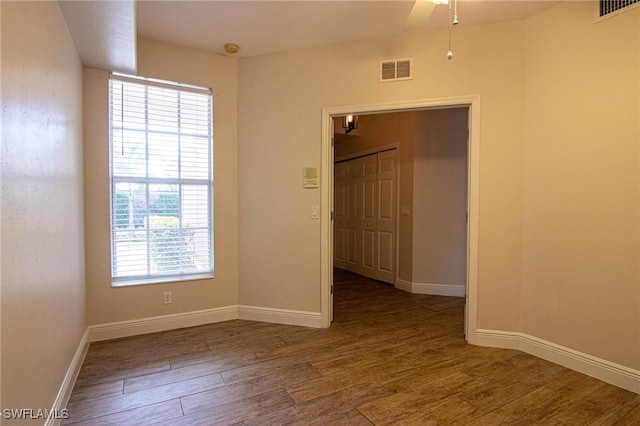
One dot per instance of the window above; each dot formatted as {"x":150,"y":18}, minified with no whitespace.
{"x":161,"y":181}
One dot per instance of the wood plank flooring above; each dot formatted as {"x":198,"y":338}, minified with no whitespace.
{"x":390,"y":358}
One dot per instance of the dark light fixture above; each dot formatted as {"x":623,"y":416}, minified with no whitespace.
{"x":349,"y":123}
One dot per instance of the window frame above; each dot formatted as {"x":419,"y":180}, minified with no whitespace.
{"x":178,"y":275}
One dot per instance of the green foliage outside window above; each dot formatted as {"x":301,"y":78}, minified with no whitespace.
{"x":172,"y":247}
{"x":165,"y":204}
{"x":122,"y":210}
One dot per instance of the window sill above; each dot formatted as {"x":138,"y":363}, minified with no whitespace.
{"x":161,"y":280}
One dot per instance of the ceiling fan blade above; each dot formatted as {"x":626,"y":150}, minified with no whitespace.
{"x":419,"y":15}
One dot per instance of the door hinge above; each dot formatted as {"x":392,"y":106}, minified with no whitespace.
{"x":333,"y":139}
{"x":332,"y":289}
{"x":331,"y":215}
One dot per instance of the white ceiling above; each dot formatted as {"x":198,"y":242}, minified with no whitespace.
{"x":265,"y":26}
{"x":268,"y":26}
{"x":105,"y":31}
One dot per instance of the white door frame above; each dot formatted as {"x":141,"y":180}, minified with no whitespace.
{"x":473,"y":176}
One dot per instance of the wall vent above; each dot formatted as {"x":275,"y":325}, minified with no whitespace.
{"x":396,"y":69}
{"x":609,"y":8}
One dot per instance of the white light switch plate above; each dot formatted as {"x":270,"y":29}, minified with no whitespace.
{"x":315,"y":212}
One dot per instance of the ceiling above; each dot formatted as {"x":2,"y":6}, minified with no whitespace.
{"x":105,"y":31}
{"x":261,"y":27}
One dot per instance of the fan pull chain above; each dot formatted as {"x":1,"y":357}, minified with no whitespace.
{"x":452,"y":23}
{"x":455,"y":12}
{"x":449,"y":53}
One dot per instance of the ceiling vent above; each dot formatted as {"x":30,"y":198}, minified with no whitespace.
{"x":609,"y":8}
{"x":396,"y":69}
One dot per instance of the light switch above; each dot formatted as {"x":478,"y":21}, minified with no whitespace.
{"x":315,"y":212}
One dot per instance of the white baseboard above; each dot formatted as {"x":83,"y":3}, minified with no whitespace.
{"x":439,"y":289}
{"x":498,"y":339}
{"x":607,"y":371}
{"x":119,"y":329}
{"x":403,"y":285}
{"x":135,"y":327}
{"x":433,"y":289}
{"x":280,"y":316}
{"x":69,"y":380}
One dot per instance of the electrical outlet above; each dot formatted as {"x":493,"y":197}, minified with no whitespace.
{"x":166,"y":298}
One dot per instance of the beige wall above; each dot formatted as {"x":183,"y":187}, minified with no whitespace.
{"x":580,"y":276}
{"x":43,"y":292}
{"x":405,"y":160}
{"x":280,"y":243}
{"x":440,"y":197}
{"x":104,"y":303}
{"x":384,"y":129}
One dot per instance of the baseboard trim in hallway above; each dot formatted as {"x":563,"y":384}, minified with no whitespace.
{"x":607,"y":371}
{"x":433,"y":289}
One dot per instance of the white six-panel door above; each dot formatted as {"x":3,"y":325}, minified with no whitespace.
{"x":365,"y":215}
{"x":386,"y":217}
{"x":354,"y":214}
{"x":368,"y":222}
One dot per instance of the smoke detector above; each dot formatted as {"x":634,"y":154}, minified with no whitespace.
{"x":231,"y":48}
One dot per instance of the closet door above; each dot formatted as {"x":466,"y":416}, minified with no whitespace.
{"x":365,"y":216}
{"x":386,"y":217}
{"x":368,"y":249}
{"x":354,"y":215}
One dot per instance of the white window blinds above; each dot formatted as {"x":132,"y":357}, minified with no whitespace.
{"x":161,"y":159}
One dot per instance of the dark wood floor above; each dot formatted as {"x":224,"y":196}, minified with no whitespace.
{"x":389,"y":358}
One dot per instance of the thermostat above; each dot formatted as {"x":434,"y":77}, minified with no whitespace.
{"x":310,"y":177}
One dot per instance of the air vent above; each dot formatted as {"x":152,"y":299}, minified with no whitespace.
{"x":608,"y":8}
{"x":396,"y":69}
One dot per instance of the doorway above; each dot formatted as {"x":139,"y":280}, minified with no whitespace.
{"x":327,"y":197}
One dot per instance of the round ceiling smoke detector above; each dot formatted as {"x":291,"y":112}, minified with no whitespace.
{"x":231,"y":48}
